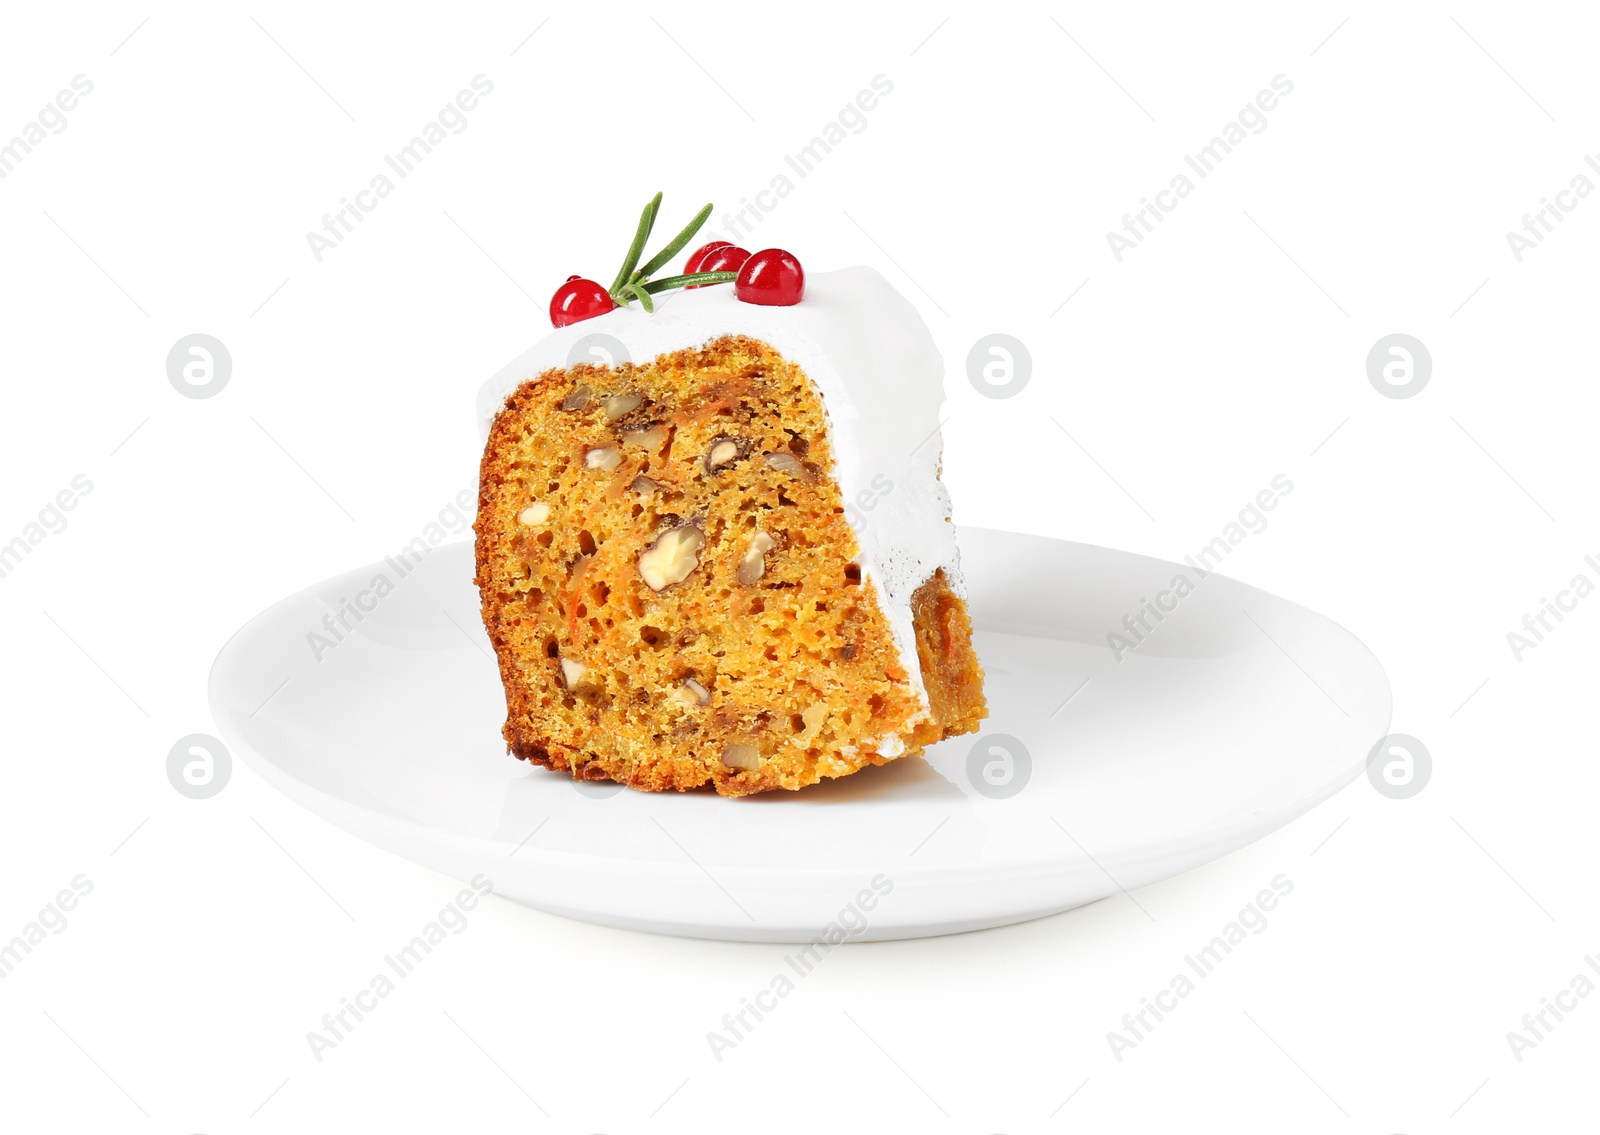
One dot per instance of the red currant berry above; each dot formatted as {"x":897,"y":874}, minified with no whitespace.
{"x":578,"y":299}
{"x":728,"y":258}
{"x":771,"y":277}
{"x":698,"y":256}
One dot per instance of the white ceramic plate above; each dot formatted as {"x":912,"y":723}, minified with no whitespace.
{"x":1238,"y":713}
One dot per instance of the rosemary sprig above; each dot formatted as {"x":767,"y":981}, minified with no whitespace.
{"x":633,"y":280}
{"x":639,"y":292}
{"x":647,"y":221}
{"x":666,"y":282}
{"x":676,"y":244}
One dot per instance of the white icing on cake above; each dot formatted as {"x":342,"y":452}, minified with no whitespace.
{"x":881,"y":379}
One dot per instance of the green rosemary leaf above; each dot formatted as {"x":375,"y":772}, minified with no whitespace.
{"x":647,"y":222}
{"x":643,"y":296}
{"x":666,"y":282}
{"x":677,"y":243}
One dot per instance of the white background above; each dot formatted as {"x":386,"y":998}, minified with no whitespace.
{"x":1229,"y":347}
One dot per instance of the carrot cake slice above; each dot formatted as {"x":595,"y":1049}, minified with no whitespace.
{"x":724,"y":556}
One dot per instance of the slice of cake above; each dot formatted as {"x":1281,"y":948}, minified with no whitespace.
{"x":728,"y":561}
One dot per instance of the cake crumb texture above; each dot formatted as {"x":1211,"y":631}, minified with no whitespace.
{"x":670,"y":584}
